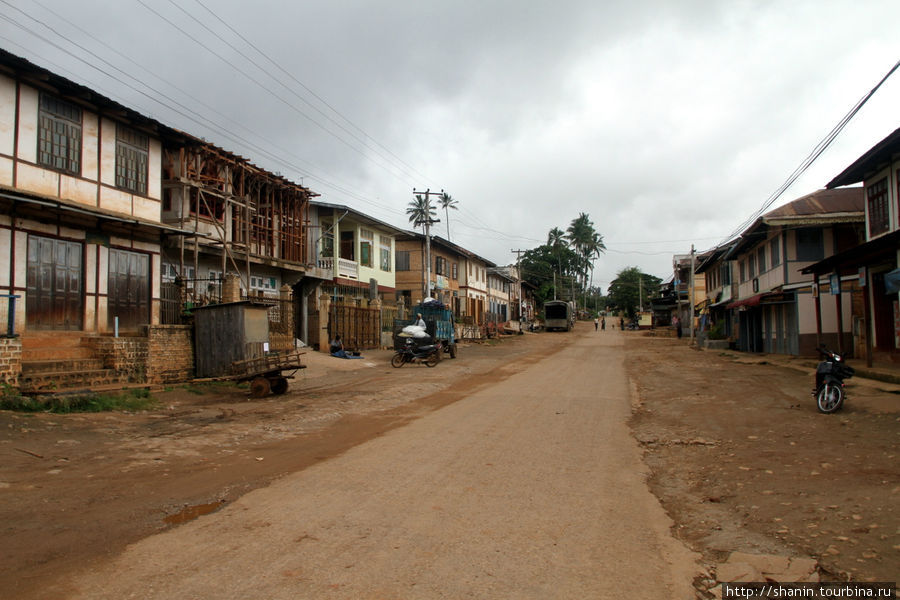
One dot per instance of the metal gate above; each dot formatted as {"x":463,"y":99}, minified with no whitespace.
{"x":129,"y":289}
{"x":359,"y":328}
{"x":54,"y":284}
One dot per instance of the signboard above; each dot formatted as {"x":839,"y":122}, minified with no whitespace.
{"x":835,"y":282}
{"x":862,"y":277}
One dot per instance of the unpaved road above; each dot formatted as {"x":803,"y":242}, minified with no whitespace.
{"x":733,"y":448}
{"x":528,"y":488}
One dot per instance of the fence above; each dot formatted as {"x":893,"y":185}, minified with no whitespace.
{"x":359,"y":327}
{"x":179,"y":296}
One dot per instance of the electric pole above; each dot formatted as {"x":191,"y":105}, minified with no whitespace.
{"x":427,"y":221}
{"x":519,"y":279}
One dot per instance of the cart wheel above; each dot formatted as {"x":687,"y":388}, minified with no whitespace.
{"x":279,"y":385}
{"x":260,"y":387}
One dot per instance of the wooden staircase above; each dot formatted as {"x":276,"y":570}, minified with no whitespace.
{"x":61,"y":361}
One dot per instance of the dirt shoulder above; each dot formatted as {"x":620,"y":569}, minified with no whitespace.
{"x":742,"y":461}
{"x":75,"y":489}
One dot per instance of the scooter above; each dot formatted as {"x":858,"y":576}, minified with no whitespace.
{"x":830,"y":376}
{"x":429,"y":354}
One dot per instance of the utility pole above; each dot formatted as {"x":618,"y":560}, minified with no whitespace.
{"x":691,"y":307}
{"x":427,"y":222}
{"x":519,"y":279}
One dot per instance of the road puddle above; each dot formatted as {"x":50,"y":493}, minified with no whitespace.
{"x":189,"y":513}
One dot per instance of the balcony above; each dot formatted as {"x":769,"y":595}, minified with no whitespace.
{"x":348,"y":269}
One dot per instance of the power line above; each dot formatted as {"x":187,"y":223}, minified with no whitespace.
{"x":813,"y":155}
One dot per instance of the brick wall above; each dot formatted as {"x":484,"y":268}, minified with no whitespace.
{"x":10,"y":360}
{"x":170,"y":353}
{"x":127,"y":356}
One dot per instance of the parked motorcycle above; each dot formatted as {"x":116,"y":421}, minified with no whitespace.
{"x":430,"y":354}
{"x":830,"y":376}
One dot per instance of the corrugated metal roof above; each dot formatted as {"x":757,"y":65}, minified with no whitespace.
{"x":822,"y":203}
{"x":873,"y":160}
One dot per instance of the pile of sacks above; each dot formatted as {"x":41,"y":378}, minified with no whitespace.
{"x":413,"y":331}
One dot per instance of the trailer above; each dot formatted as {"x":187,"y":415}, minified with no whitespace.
{"x":265,"y":373}
{"x":558,"y":315}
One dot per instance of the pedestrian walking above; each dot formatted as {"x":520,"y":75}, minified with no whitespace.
{"x":603,"y":323}
{"x":596,"y":324}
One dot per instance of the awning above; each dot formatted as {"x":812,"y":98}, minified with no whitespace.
{"x":751,"y":301}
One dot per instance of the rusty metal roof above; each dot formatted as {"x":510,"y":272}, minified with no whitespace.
{"x":821,"y":204}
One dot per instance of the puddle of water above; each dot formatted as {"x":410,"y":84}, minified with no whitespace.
{"x":189,"y":513}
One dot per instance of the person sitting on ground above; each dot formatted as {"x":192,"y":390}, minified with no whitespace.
{"x":336,"y":347}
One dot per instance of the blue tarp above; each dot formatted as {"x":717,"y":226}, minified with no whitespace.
{"x":892,"y":282}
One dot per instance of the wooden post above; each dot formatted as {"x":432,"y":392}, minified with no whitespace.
{"x":818,"y":304}
{"x":840,"y":315}
{"x":324,"y":311}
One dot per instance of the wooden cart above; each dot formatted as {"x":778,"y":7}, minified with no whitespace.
{"x":265,"y":373}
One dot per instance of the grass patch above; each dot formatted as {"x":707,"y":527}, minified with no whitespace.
{"x":131,"y":400}
{"x":209,"y":387}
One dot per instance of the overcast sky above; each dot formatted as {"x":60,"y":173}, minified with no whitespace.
{"x":669,"y":123}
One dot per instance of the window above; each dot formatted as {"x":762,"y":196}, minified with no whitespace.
{"x":743,"y":271}
{"x":132,"y":149}
{"x":761,"y":259}
{"x":59,"y":135}
{"x":455,"y":271}
{"x":775,"y":251}
{"x":751,"y":265}
{"x":877,"y":204}
{"x":402,"y":260}
{"x":725,"y":274}
{"x":366,"y":238}
{"x":810,"y":246}
{"x":266,"y":284}
{"x":385,"y":243}
{"x":440,"y":265}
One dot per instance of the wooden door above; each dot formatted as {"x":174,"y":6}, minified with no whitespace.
{"x":129,"y":290}
{"x":54,"y":276}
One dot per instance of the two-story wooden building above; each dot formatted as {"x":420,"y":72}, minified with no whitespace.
{"x":868,"y":273}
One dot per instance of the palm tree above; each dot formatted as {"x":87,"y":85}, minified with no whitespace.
{"x":447,"y":202}
{"x":420,"y":210}
{"x":555,"y":237}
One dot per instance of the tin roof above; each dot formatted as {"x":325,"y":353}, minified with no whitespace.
{"x":877,"y":157}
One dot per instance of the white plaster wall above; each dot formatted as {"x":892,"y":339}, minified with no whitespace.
{"x":89,"y":129}
{"x":108,"y":152}
{"x":7,"y":115}
{"x":79,"y":190}
{"x":147,"y":208}
{"x":37,"y":180}
{"x":154,"y":175}
{"x":115,"y":200}
{"x":28,"y":119}
{"x":6,"y":171}
{"x":5,"y":242}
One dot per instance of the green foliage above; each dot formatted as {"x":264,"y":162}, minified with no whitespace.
{"x":717,"y":331}
{"x":131,"y":400}
{"x":630,"y":288}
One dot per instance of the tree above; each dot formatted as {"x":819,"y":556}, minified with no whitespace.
{"x":630,"y":288}
{"x":447,"y":202}
{"x":587,"y":243}
{"x":420,"y":211}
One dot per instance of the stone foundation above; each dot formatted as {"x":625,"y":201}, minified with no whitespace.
{"x":126,"y":356}
{"x":10,"y":361}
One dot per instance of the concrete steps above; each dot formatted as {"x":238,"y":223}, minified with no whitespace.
{"x":61,"y":361}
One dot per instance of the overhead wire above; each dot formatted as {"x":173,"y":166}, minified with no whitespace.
{"x":812,"y":156}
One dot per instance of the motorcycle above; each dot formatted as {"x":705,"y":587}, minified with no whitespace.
{"x":429,"y":354}
{"x":830,"y":376}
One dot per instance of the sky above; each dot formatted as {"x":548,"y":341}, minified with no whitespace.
{"x":670,"y":123}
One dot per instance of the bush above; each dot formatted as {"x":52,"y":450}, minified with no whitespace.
{"x":717,"y":331}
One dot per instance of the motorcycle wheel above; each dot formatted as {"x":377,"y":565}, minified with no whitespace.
{"x":397,"y":360}
{"x":829,"y":398}
{"x":432,"y":359}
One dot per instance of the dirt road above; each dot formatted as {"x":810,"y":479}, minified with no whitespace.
{"x":378,"y":463}
{"x":528,"y":488}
